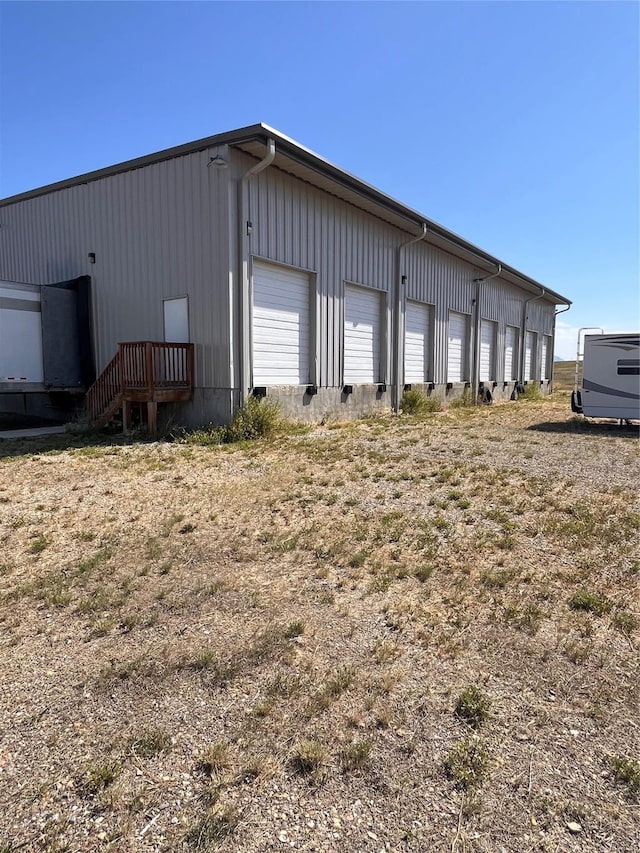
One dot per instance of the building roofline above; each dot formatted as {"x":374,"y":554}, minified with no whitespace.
{"x":289,"y":147}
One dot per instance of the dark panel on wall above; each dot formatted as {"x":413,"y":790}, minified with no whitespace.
{"x":66,"y":334}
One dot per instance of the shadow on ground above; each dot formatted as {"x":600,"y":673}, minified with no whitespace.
{"x":43,"y":444}
{"x":583,"y":426}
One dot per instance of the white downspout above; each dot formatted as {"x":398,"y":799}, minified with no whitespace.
{"x":475,"y":368}
{"x":244,"y":232}
{"x":398,"y":359}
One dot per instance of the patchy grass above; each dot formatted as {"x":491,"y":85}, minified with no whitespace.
{"x":591,"y":602}
{"x":291,"y":641}
{"x":626,"y":772}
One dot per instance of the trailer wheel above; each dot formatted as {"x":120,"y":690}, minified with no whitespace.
{"x":576,"y":402}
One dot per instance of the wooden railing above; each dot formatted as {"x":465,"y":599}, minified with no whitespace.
{"x":142,"y":371}
{"x":105,"y":390}
{"x":149,"y":365}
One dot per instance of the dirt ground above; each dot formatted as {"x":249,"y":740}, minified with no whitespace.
{"x":403,"y":634}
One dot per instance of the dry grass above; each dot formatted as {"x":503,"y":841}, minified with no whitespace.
{"x":564,"y":373}
{"x":412,"y":633}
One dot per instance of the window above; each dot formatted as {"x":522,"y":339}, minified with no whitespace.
{"x":176,"y":320}
{"x":628,"y":367}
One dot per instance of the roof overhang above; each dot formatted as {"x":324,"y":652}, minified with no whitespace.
{"x":306,"y":165}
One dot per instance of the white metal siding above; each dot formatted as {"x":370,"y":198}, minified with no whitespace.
{"x":544,"y":354}
{"x":158,"y":231}
{"x":510,"y":353}
{"x":487,"y":350}
{"x":457,"y":348}
{"x":280,"y":328}
{"x":417,"y":342}
{"x":362,"y":335}
{"x":528,"y":356}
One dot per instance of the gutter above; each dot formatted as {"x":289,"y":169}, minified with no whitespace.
{"x":398,"y":353}
{"x":309,"y":159}
{"x":244,"y":233}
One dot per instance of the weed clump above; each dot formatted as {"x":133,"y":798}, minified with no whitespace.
{"x":531,"y":393}
{"x":414,"y":402}
{"x":463,"y":402}
{"x":626,"y":771}
{"x":591,"y":602}
{"x":356,"y":756}
{"x":473,"y":706}
{"x":256,"y":419}
{"x":467,"y":764}
{"x":211,"y":829}
{"x":99,"y":776}
{"x":308,"y":757}
{"x":149,"y":742}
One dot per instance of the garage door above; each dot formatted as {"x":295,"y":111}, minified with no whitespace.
{"x":510,"y":353}
{"x":528,"y":356}
{"x":417,"y":343}
{"x":362,"y":335}
{"x":457,"y":348}
{"x":487,"y":350}
{"x":280,"y":326}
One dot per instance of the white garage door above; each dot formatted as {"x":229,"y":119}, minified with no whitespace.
{"x":362,"y":334}
{"x":417,"y":344}
{"x":457,"y":348}
{"x":544,"y":355}
{"x":510,"y":353}
{"x":487,"y":350}
{"x":281,"y":325}
{"x":528,"y":356}
{"x":20,"y":334}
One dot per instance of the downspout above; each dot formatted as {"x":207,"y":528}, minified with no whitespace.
{"x":553,"y":338}
{"x":244,"y":232}
{"x":475,"y":367}
{"x":523,"y":332}
{"x":398,"y":360}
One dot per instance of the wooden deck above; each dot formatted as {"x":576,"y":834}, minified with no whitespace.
{"x":148,"y":372}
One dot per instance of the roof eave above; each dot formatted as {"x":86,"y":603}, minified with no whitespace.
{"x":263,"y":132}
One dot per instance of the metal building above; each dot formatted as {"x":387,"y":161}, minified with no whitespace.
{"x":290,"y":277}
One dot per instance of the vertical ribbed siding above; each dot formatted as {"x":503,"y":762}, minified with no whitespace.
{"x":296,"y":224}
{"x":159,"y":231}
{"x":446,"y":282}
{"x":171,"y":229}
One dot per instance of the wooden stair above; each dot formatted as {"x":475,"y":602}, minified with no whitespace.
{"x":148,"y":372}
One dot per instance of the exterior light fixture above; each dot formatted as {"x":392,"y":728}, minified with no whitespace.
{"x":218,"y":161}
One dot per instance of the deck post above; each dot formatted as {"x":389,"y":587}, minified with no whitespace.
{"x":148,"y":358}
{"x":152,"y":418}
{"x":126,"y":416}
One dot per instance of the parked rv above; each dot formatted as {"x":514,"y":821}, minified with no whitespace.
{"x":610,"y":378}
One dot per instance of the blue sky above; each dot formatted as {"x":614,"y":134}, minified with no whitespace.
{"x":514,"y":124}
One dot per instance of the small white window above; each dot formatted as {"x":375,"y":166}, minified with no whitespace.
{"x":176,"y":320}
